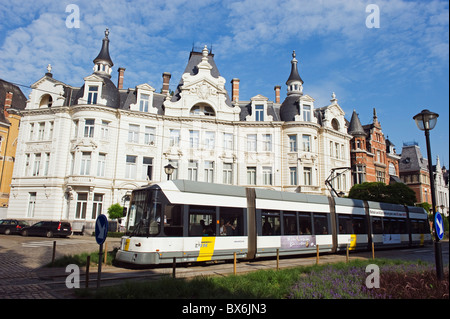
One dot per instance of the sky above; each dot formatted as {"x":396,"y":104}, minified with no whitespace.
{"x":389,"y":55}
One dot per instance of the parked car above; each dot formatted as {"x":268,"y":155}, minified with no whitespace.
{"x":49,"y":229}
{"x":11,"y":226}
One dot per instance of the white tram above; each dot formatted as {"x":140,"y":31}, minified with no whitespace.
{"x":196,"y":221}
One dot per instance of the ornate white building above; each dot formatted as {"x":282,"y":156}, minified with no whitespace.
{"x":82,"y":149}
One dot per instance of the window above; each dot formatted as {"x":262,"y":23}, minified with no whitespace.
{"x":149,"y":135}
{"x":293,"y":175}
{"x":228,"y":173}
{"x":335,"y":124}
{"x":147,"y":168}
{"x":359,"y":176}
{"x":41,"y":130}
{"x":210,"y":140}
{"x":270,"y":223}
{"x":251,"y":142}
{"x":130,"y":168}
{"x":380,"y":176}
{"x":92,"y":95}
{"x":228,"y":141}
{"x":193,"y":139}
{"x":97,"y":205}
{"x":293,"y":143}
{"x":306,"y":141}
{"x":251,"y":175}
{"x":337,"y":149}
{"x":306,"y":113}
{"x":209,"y":171}
{"x":174,"y":138}
{"x":31,"y":204}
{"x":267,"y":175}
{"x":321,"y":224}
{"x":304,"y":223}
{"x":192,"y":170}
{"x":267,"y":142}
{"x":80,"y":212}
{"x":46,"y":163}
{"x":143,"y":103}
{"x":27,"y":164}
{"x":173,"y":221}
{"x":307,"y":180}
{"x":31,"y":137}
{"x":231,"y":221}
{"x":85,"y":168}
{"x":50,"y":130}
{"x":101,"y":164}
{"x":133,"y":133}
{"x":200,"y":110}
{"x":36,"y":164}
{"x":89,"y":128}
{"x":259,"y":113}
{"x":105,"y":130}
{"x":290,"y":224}
{"x":202,"y":221}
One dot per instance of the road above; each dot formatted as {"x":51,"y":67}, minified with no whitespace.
{"x":22,"y":274}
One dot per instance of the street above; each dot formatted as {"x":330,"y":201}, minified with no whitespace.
{"x":22,"y":274}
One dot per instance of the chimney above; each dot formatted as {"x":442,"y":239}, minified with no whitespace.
{"x":235,"y":90}
{"x":8,"y":103}
{"x":120,"y":79}
{"x":277,"y":89}
{"x":166,"y":79}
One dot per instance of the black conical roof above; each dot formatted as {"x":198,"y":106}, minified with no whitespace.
{"x":104,"y":52}
{"x":355,"y":127}
{"x":294,"y":76}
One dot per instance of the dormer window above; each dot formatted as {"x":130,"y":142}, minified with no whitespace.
{"x":306,"y":113}
{"x":143,"y":103}
{"x":92,"y":95}
{"x":259,"y":113}
{"x":201,"y":109}
{"x":46,"y":101}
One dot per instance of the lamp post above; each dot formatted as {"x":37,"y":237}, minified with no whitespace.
{"x":426,"y":121}
{"x":168,"y":169}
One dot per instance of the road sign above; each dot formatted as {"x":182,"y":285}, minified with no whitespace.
{"x":101,"y":229}
{"x":439,"y":225}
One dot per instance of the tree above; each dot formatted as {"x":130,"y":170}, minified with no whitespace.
{"x":115,"y":211}
{"x":397,"y":193}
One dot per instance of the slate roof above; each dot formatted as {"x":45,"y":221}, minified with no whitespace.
{"x":19,"y":101}
{"x":104,"y":52}
{"x":355,"y":128}
{"x":412,"y":160}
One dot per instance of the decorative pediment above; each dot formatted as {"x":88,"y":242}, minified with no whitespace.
{"x":307,"y":98}
{"x":145,"y":87}
{"x":93,"y":78}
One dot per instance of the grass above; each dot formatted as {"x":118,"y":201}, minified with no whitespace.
{"x":81,"y":259}
{"x":334,"y":281}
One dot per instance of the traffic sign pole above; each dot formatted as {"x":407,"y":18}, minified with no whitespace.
{"x":100,"y":253}
{"x":101,"y":232}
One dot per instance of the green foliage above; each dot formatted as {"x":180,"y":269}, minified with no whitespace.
{"x":115,"y":211}
{"x":397,"y":193}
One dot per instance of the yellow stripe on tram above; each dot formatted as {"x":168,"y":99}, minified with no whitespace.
{"x":206,"y":248}
{"x":352,"y":242}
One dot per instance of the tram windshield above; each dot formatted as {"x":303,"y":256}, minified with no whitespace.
{"x":144,"y":218}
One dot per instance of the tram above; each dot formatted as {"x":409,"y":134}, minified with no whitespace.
{"x":196,"y":221}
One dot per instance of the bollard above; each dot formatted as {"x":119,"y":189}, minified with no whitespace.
{"x":174,"y":266}
{"x":317,"y":254}
{"x":234,"y":264}
{"x":88,"y":264}
{"x":373,"y":250}
{"x":278,"y":259}
{"x":106,"y":253}
{"x":54,"y":252}
{"x":346,"y":258}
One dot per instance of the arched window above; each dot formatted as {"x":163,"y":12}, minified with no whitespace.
{"x":202,"y":109}
{"x":46,"y":101}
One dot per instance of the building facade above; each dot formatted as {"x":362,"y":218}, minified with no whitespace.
{"x":12,"y":100}
{"x":82,"y":149}
{"x":373,"y":157}
{"x":441,"y":187}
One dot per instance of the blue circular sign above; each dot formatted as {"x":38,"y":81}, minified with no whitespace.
{"x":439,"y":225}
{"x":101,"y":229}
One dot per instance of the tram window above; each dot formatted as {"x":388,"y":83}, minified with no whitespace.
{"x":173,"y":221}
{"x":377,"y":225}
{"x":271,"y":223}
{"x":231,"y":221}
{"x":320,"y":224}
{"x":359,"y":225}
{"x":402,"y":226}
{"x":345,"y":224}
{"x":419,"y":226}
{"x":290,"y":224}
{"x":202,"y":221}
{"x":304,"y":221}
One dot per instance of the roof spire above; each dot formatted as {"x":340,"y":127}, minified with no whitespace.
{"x":355,"y":128}
{"x":103,"y":62}
{"x":294,"y":82}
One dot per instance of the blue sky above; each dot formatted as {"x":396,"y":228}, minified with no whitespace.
{"x":399,"y":68}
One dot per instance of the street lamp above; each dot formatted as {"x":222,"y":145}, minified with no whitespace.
{"x":168,"y":169}
{"x":426,"y":121}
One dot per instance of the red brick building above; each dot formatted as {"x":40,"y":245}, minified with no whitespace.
{"x":372,"y":156}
